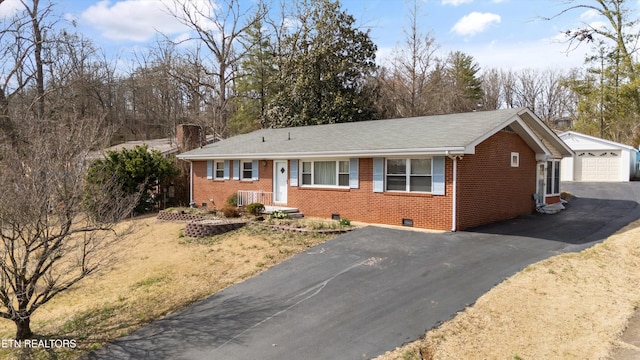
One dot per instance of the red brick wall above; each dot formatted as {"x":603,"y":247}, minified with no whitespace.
{"x":551,"y":199}
{"x":362,"y":204}
{"x":219,"y":190}
{"x":489,"y":189}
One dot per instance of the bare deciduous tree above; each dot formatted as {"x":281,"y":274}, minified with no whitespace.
{"x":547,"y":92}
{"x":493,"y":91}
{"x":47,"y":241}
{"x":409,"y":85}
{"x":219,"y":29}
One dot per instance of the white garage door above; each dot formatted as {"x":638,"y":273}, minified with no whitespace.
{"x":597,"y":165}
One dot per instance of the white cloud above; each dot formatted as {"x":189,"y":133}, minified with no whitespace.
{"x":182,"y":37}
{"x":598,"y":25}
{"x":589,"y":15}
{"x":542,"y":54}
{"x":10,"y":7}
{"x":385,"y":55}
{"x":537,"y":54}
{"x":456,"y":2}
{"x":134,"y":20}
{"x":474,"y":23}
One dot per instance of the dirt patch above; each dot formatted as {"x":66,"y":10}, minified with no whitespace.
{"x":159,"y":271}
{"x":571,"y":306}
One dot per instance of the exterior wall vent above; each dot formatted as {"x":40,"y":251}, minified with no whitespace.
{"x":407,"y":222}
{"x":335,"y":216}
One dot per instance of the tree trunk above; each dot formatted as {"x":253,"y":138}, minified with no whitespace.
{"x":23,"y":329}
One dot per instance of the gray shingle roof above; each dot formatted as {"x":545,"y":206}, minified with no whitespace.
{"x":425,"y":134}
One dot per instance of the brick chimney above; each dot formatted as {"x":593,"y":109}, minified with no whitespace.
{"x":189,"y":137}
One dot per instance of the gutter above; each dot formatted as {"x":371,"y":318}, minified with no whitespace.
{"x":460,"y":150}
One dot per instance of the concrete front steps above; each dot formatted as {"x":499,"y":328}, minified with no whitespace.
{"x":294,"y":213}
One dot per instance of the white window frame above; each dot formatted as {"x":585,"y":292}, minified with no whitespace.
{"x":408,"y":175}
{"x":515,"y":159}
{"x":311,"y":173}
{"x":553,"y":181}
{"x":242,"y":170}
{"x":215,"y":169}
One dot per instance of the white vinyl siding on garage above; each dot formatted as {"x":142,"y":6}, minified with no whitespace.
{"x":597,"y":165}
{"x":598,"y":160}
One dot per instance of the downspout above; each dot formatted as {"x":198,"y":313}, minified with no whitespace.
{"x":454,"y":200}
{"x":191,"y":202}
{"x":454,"y":216}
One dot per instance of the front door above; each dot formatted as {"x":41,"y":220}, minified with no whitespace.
{"x":280,"y":182}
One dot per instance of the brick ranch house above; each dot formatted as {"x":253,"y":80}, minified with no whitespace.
{"x":444,"y":172}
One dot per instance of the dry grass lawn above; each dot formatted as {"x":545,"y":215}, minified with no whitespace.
{"x":571,"y":306}
{"x":158,"y":272}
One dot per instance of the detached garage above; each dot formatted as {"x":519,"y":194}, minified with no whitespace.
{"x":596,"y":159}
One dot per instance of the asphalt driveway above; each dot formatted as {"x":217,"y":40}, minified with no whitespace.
{"x":373,"y":289}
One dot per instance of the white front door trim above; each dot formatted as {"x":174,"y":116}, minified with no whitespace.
{"x":280,"y":176}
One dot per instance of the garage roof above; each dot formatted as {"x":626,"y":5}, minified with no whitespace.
{"x":578,"y":141}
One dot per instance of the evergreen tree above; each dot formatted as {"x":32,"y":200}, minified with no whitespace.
{"x":137,"y":171}
{"x":254,"y":84}
{"x":323,"y":69}
{"x":465,"y":84}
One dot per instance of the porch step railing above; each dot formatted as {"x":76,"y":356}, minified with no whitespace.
{"x":246,"y":197}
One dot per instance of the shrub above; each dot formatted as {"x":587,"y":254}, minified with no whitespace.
{"x":566,"y":196}
{"x":345,"y":222}
{"x":136,"y":171}
{"x":230,"y":211}
{"x":232,"y":200}
{"x":279,"y":214}
{"x":255,"y":208}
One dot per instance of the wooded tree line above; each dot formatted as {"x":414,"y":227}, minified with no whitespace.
{"x":301,"y":63}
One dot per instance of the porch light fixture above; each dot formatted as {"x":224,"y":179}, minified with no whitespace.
{"x":264,"y":163}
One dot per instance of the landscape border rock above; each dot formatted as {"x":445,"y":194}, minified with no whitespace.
{"x":287,"y":228}
{"x":178,"y":216}
{"x":202,"y":226}
{"x":199,"y":229}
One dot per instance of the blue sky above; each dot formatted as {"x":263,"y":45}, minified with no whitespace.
{"x":497,"y":33}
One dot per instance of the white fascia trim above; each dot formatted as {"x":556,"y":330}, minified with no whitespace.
{"x":456,"y":150}
{"x":533,"y":136}
{"x":613,"y":144}
{"x":471,"y":148}
{"x":523,"y":126}
{"x":544,"y":128}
